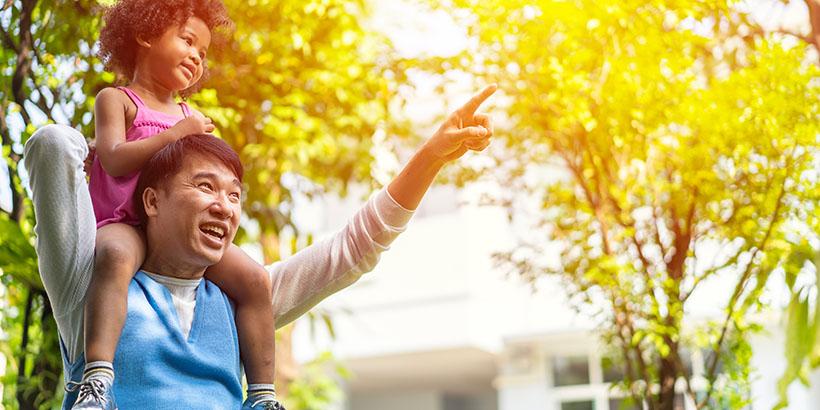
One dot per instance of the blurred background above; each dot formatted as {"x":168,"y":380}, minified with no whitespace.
{"x":641,"y":234}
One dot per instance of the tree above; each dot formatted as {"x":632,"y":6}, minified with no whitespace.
{"x":802,"y":326}
{"x":685,"y":137}
{"x":39,"y":39}
{"x":297,"y":90}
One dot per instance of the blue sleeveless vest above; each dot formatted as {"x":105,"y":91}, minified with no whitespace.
{"x":157,"y":368}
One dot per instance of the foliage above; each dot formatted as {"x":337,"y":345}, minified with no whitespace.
{"x":47,"y":73}
{"x":297,"y":90}
{"x":802,"y":326}
{"x":684,"y":137}
{"x":318,"y":387}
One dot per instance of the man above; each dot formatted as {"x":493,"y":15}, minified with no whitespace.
{"x":179,"y":347}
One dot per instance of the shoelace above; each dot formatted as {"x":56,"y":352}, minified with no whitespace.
{"x":269,"y":404}
{"x":90,"y":388}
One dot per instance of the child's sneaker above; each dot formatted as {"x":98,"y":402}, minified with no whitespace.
{"x":262,"y":403}
{"x":94,"y":394}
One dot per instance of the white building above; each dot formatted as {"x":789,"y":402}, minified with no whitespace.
{"x":434,"y":327}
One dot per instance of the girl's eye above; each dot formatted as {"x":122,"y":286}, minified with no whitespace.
{"x":234,"y":195}
{"x":189,"y":41}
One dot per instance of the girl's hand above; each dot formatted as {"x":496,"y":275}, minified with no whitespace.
{"x":196,"y":123}
{"x":463,"y":130}
{"x":89,"y":159}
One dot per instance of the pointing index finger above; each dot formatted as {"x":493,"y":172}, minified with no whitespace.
{"x":472,"y":105}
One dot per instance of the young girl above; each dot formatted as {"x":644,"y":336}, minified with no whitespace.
{"x":160,"y":47}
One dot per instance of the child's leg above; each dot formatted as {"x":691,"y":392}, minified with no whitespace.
{"x":120,"y":252}
{"x":248,"y":284}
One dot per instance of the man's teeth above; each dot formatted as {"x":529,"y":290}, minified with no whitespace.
{"x":215,"y":230}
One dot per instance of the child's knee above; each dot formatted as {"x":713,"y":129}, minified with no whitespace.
{"x":114,"y":259}
{"x":256,"y":285}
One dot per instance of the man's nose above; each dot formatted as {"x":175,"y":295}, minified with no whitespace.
{"x":222,"y":207}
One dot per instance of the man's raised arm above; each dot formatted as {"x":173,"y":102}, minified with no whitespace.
{"x":316,"y":272}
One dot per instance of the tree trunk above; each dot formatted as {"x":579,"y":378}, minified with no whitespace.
{"x":814,"y":20}
{"x":286,"y":367}
{"x":668,"y":375}
{"x":48,"y":363}
{"x":25,"y":401}
{"x":23,"y":64}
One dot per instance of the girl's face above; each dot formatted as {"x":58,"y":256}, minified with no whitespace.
{"x":176,"y":58}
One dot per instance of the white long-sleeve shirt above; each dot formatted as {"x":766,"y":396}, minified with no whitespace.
{"x":316,"y":272}
{"x":66,"y":234}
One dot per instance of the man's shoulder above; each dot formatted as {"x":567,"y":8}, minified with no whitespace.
{"x":212,"y":289}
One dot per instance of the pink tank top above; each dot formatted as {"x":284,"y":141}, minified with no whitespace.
{"x":113,"y":196}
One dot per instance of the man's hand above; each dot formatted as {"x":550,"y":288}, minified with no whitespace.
{"x":463,"y":130}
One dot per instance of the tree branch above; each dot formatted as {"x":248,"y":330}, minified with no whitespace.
{"x":23,"y":359}
{"x":639,"y":357}
{"x":23,"y":65}
{"x":655,"y":220}
{"x":683,"y":237}
{"x":8,"y":41}
{"x":591,"y":198}
{"x":624,"y":323}
{"x":731,"y":261}
{"x":814,"y":19}
{"x":650,"y":283}
{"x":595,"y":200}
{"x":676,"y":359}
{"x":739,"y":290}
{"x":16,"y":212}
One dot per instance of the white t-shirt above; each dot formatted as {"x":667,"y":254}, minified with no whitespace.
{"x":183,"y":293}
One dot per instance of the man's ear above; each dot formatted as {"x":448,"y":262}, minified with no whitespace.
{"x":149,"y":200}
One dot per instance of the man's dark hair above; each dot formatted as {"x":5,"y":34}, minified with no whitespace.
{"x":168,"y":161}
{"x":126,"y":20}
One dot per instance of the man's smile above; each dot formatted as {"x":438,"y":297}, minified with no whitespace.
{"x":214,"y":229}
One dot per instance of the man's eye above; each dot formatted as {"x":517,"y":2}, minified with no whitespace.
{"x":235,"y":195}
{"x":206,"y":185}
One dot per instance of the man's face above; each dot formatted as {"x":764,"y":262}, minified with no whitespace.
{"x":195,"y":214}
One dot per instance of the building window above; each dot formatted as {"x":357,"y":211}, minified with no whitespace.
{"x":569,"y":371}
{"x":623,"y":404}
{"x":581,"y":381}
{"x":578,"y":405}
{"x":613,"y":370}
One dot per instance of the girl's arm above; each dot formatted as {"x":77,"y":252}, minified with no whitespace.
{"x":119,"y":157}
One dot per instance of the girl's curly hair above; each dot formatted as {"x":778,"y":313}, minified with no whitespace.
{"x":128,"y":19}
